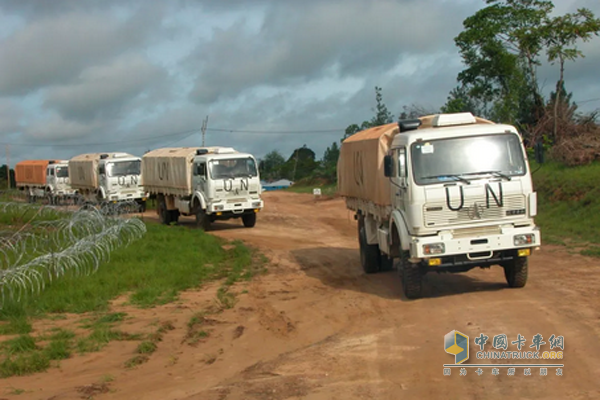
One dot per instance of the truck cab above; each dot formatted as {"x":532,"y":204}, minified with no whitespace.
{"x":119,"y":178}
{"x":227,"y":185}
{"x":58,"y":184}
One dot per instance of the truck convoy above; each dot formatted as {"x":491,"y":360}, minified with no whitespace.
{"x":107,"y":177}
{"x":44,"y":179}
{"x":211,"y":183}
{"x":443,"y":193}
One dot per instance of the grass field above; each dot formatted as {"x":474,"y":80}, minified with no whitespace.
{"x":150,"y":272}
{"x":569,"y":205}
{"x":326,"y":189}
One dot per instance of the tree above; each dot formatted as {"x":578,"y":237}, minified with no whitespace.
{"x":460,"y":101}
{"x":560,"y":34}
{"x":3,"y":180}
{"x":270,"y":166}
{"x":500,"y":46}
{"x":382,"y":116}
{"x":415,"y":111}
{"x":328,"y":167}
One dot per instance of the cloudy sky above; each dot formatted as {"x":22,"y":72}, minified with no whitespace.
{"x":81,"y":76}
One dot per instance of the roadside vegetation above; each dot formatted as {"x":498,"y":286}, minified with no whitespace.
{"x":154,"y":271}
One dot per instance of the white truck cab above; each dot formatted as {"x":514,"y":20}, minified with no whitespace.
{"x":108,"y":177}
{"x":58,"y":183}
{"x":119,"y":178}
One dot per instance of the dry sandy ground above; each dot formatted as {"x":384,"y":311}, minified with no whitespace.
{"x":316,"y":327}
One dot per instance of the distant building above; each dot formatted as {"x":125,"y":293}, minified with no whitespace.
{"x":277,"y":185}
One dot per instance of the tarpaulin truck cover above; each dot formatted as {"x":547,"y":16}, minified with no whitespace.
{"x":31,"y":172}
{"x":360,"y":165}
{"x":168,"y":170}
{"x":83,"y":171}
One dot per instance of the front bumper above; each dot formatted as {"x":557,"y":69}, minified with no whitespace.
{"x":238,"y":208}
{"x":475,"y":248}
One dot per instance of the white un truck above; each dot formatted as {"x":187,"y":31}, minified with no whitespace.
{"x":107,"y":177}
{"x":211,"y":183}
{"x":443,"y":193}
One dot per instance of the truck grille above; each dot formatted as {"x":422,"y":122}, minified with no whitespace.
{"x":474,"y":209}
{"x":240,"y":200}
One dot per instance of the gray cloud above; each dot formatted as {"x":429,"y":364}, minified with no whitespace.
{"x":298,"y":42}
{"x":53,"y":50}
{"x":101,"y":91}
{"x":10,"y":114}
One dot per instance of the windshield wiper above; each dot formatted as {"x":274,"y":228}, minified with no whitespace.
{"x":497,"y":173}
{"x":456,"y":177}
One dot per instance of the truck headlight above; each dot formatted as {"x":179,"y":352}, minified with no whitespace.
{"x":523,"y":239}
{"x":434,"y":248}
{"x":256,"y":204}
{"x":219,"y":207}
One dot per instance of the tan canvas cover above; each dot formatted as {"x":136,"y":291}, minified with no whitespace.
{"x":83,"y":171}
{"x":360,"y":166}
{"x":168,"y":170}
{"x":31,"y":172}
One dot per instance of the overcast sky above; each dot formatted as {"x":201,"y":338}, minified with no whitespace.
{"x":81,"y":76}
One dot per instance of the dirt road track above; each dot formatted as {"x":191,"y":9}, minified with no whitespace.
{"x":317,"y":327}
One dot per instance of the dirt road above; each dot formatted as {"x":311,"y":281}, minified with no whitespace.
{"x":316,"y":327}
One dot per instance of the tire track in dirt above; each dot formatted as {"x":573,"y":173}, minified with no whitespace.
{"x":316,"y":327}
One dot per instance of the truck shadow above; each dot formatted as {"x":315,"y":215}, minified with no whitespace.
{"x":340,"y":268}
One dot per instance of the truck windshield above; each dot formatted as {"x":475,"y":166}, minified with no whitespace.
{"x":460,"y":159}
{"x":62,"y":172}
{"x":233,"y":168}
{"x":122,"y":168}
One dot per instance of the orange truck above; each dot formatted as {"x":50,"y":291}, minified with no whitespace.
{"x":47,"y":179}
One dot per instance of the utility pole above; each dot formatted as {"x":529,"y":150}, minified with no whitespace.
{"x":7,"y":167}
{"x":204,"y":124}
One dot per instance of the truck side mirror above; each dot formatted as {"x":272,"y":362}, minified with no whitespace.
{"x":387,"y":166}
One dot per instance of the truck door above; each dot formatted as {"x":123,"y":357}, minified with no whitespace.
{"x":200,"y":177}
{"x":399,"y":189}
{"x":102,"y":180}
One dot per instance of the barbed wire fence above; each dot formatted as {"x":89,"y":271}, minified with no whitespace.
{"x":40,"y":243}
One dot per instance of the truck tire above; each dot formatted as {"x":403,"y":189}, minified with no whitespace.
{"x":369,"y":253}
{"x":515,"y":272}
{"x":174,"y":215}
{"x":165,"y":215}
{"x":412,"y":279}
{"x":249,"y":220}
{"x":202,"y":220}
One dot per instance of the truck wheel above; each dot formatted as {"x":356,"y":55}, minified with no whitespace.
{"x":174,"y":215}
{"x":165,"y":215}
{"x":412,"y":279}
{"x":143,"y":206}
{"x":249,"y":220}
{"x":202,"y":220}
{"x":369,"y":253}
{"x":515,"y":272}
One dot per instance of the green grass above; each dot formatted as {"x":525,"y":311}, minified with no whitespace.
{"x":20,"y":344}
{"x":146,"y":347}
{"x":568,"y":203}
{"x":154,"y":270}
{"x":150,"y":272}
{"x":326,"y":189}
{"x":15,"y":324}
